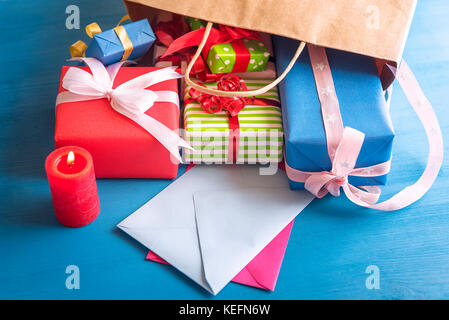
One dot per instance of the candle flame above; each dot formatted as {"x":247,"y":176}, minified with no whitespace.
{"x":70,"y":158}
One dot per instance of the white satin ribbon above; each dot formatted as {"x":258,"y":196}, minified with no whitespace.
{"x":130,"y":99}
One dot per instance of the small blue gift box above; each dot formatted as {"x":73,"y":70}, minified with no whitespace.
{"x":107,"y":47}
{"x":363,"y":106}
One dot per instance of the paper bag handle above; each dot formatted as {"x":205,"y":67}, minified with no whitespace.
{"x":239,"y":94}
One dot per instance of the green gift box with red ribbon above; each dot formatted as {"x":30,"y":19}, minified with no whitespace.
{"x":241,"y":55}
{"x":227,"y":49}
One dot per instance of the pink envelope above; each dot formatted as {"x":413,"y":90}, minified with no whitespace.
{"x":262,"y":272}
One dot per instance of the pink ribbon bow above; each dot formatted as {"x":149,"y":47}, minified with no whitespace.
{"x":344,"y":145}
{"x":343,"y":166}
{"x":130,"y":99}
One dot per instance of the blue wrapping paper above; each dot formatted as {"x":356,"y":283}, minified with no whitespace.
{"x":363,"y":107}
{"x":107,"y":48}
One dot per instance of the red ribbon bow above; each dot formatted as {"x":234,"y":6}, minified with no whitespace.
{"x":214,"y":104}
{"x":167,"y":32}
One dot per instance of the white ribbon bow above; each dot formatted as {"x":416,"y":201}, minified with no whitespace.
{"x":131,"y":99}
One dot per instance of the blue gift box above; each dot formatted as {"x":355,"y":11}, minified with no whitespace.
{"x":363,"y":107}
{"x":107,"y":47}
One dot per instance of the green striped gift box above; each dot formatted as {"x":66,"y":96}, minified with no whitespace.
{"x":261,"y":135}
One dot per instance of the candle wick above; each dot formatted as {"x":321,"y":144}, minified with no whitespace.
{"x":70,"y":159}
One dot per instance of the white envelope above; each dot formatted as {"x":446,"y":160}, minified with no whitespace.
{"x":213,"y":220}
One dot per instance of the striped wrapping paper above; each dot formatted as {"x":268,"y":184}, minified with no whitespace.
{"x":261,"y":134}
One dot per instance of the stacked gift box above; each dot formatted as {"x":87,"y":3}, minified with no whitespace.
{"x":109,"y":136}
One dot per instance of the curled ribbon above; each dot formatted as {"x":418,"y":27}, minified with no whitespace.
{"x":130,"y":99}
{"x":79,"y":48}
{"x":214,"y":104}
{"x":344,"y":145}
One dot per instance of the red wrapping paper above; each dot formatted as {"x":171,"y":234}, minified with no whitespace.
{"x":120,"y":148}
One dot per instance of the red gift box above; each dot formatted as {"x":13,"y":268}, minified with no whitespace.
{"x":120,"y":147}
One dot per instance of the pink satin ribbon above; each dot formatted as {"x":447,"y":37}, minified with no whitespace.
{"x":344,"y":145}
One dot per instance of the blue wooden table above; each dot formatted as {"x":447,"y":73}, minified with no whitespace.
{"x":332,"y":243}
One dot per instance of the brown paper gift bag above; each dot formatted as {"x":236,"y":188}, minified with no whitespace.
{"x":376,"y":28}
{"x":370,"y":27}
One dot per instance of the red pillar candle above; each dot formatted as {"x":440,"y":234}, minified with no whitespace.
{"x":71,"y":177}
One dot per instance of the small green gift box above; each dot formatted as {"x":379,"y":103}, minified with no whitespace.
{"x":246,"y":54}
{"x":242,"y":55}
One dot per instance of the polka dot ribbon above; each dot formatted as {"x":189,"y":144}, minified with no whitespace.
{"x":344,"y":144}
